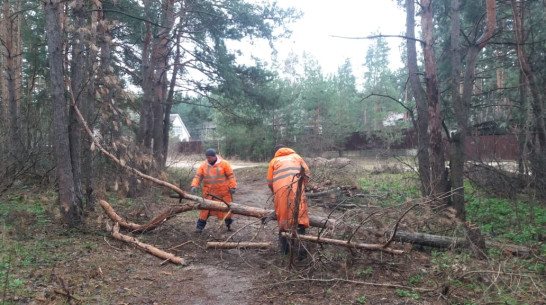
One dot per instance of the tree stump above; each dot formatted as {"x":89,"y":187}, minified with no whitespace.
{"x":476,"y":241}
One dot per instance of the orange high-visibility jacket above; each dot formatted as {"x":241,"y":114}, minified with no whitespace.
{"x":281,"y":177}
{"x":217,"y":179}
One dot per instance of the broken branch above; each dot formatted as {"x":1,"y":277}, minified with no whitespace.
{"x":148,"y":248}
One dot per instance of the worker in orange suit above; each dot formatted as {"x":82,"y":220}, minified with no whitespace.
{"x":219,"y":184}
{"x":282,"y":179}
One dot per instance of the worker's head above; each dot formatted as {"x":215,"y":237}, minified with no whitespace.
{"x":277,"y":147}
{"x":210,"y":154}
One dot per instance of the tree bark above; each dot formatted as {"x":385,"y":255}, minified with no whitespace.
{"x":422,"y":239}
{"x":438,"y":177}
{"x":10,"y":55}
{"x":88,"y":109}
{"x":144,"y":135}
{"x":538,"y":153}
{"x":343,"y":243}
{"x":421,"y":125}
{"x":61,"y":144}
{"x":460,"y":109}
{"x":462,"y":100}
{"x":77,"y":68}
{"x":154,"y":223}
{"x":234,"y":245}
{"x":160,"y":58}
{"x":148,"y":248}
{"x":170,"y":100}
{"x":151,"y":129}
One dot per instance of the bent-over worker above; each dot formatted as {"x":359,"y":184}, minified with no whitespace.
{"x":282,"y":179}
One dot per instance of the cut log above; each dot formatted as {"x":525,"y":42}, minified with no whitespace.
{"x":234,"y":245}
{"x":148,"y":248}
{"x":343,"y":243}
{"x":446,"y":242}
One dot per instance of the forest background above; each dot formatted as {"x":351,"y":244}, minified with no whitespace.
{"x":125,"y":66}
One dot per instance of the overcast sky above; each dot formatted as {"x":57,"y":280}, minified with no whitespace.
{"x":354,"y":18}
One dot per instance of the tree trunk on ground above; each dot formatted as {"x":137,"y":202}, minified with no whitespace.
{"x":343,"y":243}
{"x":201,"y":203}
{"x":237,"y":245}
{"x":422,"y":239}
{"x":69,"y":207}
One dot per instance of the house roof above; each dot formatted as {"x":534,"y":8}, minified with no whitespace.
{"x":176,"y":121}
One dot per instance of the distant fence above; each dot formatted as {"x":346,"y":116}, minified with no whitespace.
{"x":190,"y":148}
{"x":492,"y":147}
{"x":478,"y":148}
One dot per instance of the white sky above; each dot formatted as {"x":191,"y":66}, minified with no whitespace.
{"x":349,"y":18}
{"x":323,"y":19}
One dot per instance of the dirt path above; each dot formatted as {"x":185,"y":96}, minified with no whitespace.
{"x":217,"y":276}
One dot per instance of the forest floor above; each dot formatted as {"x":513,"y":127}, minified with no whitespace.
{"x":88,"y":266}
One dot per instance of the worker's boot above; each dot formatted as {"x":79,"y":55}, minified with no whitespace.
{"x":283,"y":243}
{"x":200,"y":225}
{"x":228,"y":222}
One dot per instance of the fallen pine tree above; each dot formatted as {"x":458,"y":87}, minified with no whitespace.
{"x":421,"y":239}
{"x":320,"y":222}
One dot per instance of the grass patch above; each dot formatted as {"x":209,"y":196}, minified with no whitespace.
{"x":517,"y":221}
{"x":390,"y":188}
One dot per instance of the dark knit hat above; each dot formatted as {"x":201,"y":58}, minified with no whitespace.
{"x":210,"y":152}
{"x":277,"y":147}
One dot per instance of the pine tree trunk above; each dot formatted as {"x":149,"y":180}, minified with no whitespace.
{"x":420,"y":100}
{"x":88,"y":108}
{"x":538,"y":153}
{"x":10,"y":96}
{"x":79,"y":93}
{"x":69,"y":208}
{"x":438,"y":177}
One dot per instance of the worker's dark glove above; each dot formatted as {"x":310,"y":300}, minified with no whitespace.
{"x":232,"y":191}
{"x":270,"y":217}
{"x":193,"y":190}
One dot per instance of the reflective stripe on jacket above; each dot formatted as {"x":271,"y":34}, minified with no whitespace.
{"x":281,"y":176}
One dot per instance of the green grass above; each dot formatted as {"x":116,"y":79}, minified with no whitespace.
{"x":516,"y":221}
{"x":391,"y":188}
